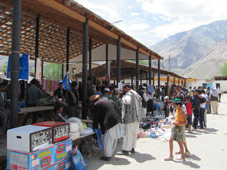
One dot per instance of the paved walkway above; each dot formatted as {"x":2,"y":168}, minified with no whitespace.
{"x":208,"y":150}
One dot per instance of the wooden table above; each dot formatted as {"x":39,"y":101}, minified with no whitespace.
{"x":27,"y":110}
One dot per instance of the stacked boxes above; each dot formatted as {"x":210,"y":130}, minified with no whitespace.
{"x":60,"y":130}
{"x":49,"y":156}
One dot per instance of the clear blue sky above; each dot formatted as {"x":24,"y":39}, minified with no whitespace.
{"x":150,"y":21}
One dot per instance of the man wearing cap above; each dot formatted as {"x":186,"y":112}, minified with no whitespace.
{"x":106,"y":93}
{"x":108,"y":116}
{"x":131,"y":113}
{"x":177,"y":131}
{"x":4,"y":112}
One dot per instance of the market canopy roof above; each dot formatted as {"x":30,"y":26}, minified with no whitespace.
{"x":127,"y":70}
{"x":56,"y":16}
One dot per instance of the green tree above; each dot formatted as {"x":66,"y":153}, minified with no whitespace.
{"x":52,"y":71}
{"x":223,"y":69}
{"x":4,"y":68}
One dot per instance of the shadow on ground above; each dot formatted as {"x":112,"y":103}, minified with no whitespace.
{"x":208,"y":131}
{"x":142,"y":157}
{"x":96,"y":163}
{"x":190,"y":163}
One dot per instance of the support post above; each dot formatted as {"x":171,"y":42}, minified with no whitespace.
{"x":14,"y":88}
{"x":67,"y":49}
{"x":118,"y":60}
{"x":159,"y":79}
{"x":168,"y":85}
{"x":62,"y":73}
{"x":137,"y":69}
{"x":90,"y":55}
{"x":150,"y":68}
{"x":174,"y":80}
{"x":42,"y":71}
{"x":107,"y":59}
{"x":153,"y":79}
{"x":132,"y":80}
{"x":84,"y":69}
{"x":36,"y":42}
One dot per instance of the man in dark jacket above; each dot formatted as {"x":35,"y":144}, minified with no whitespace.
{"x":106,"y":114}
{"x":4,"y":111}
{"x":196,"y":101}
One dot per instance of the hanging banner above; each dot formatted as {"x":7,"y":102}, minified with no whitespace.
{"x":66,"y":82}
{"x":23,"y":67}
{"x":38,"y":69}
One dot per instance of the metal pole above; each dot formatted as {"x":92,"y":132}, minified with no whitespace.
{"x":90,"y":55}
{"x":132,"y":80}
{"x":168,"y":85}
{"x":146,"y":77}
{"x":159,"y":79}
{"x":107,"y":59}
{"x":36,"y":42}
{"x":84,"y":69}
{"x":174,"y":80}
{"x":42,"y":71}
{"x":67,"y":49}
{"x":137,"y":69}
{"x":150,"y":69}
{"x":62,"y":73}
{"x":118,"y":60}
{"x":14,"y":88}
{"x":153,"y":79}
{"x":169,"y":62}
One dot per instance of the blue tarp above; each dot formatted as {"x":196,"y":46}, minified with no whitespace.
{"x":23,"y":68}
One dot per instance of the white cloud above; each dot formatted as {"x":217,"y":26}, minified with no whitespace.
{"x":109,"y":13}
{"x":183,"y":15}
{"x":134,"y":14}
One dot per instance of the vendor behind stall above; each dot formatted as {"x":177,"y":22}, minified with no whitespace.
{"x":59,"y":94}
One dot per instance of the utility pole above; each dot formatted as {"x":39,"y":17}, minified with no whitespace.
{"x":169,"y":62}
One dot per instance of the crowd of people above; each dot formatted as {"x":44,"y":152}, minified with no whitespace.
{"x":118,"y":112}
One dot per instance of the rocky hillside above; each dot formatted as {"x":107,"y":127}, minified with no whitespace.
{"x":209,"y":65}
{"x":187,"y":48}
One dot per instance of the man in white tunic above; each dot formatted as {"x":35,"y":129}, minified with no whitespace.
{"x":107,"y":114}
{"x":131,"y":112}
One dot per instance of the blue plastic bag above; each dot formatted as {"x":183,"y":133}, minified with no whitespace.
{"x":78,"y":161}
{"x":99,"y":137}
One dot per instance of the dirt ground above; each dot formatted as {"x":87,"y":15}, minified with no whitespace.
{"x":208,"y":150}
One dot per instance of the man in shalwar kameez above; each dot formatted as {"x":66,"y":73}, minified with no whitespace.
{"x":131,"y":114}
{"x":107,"y":114}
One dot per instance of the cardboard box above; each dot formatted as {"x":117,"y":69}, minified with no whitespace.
{"x":28,"y":138}
{"x":60,"y":130}
{"x":31,"y":161}
{"x":62,"y":150}
{"x":62,"y":165}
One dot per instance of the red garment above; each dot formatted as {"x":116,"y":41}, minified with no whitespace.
{"x":189,"y":108}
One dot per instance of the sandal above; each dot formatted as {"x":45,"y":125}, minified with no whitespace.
{"x":187,"y":154}
{"x":168,"y":159}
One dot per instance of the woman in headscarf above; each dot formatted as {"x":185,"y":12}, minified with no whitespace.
{"x":214,"y":98}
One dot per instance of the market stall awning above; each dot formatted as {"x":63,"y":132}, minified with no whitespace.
{"x":127,"y":71}
{"x":56,"y":16}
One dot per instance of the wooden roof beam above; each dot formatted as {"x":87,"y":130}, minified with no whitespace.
{"x":61,"y":8}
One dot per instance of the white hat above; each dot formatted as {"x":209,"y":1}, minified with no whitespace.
{"x":166,"y":97}
{"x":144,"y":87}
{"x":107,"y":89}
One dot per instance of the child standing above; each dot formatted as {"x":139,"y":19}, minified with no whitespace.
{"x":188,"y":105}
{"x":177,"y":131}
